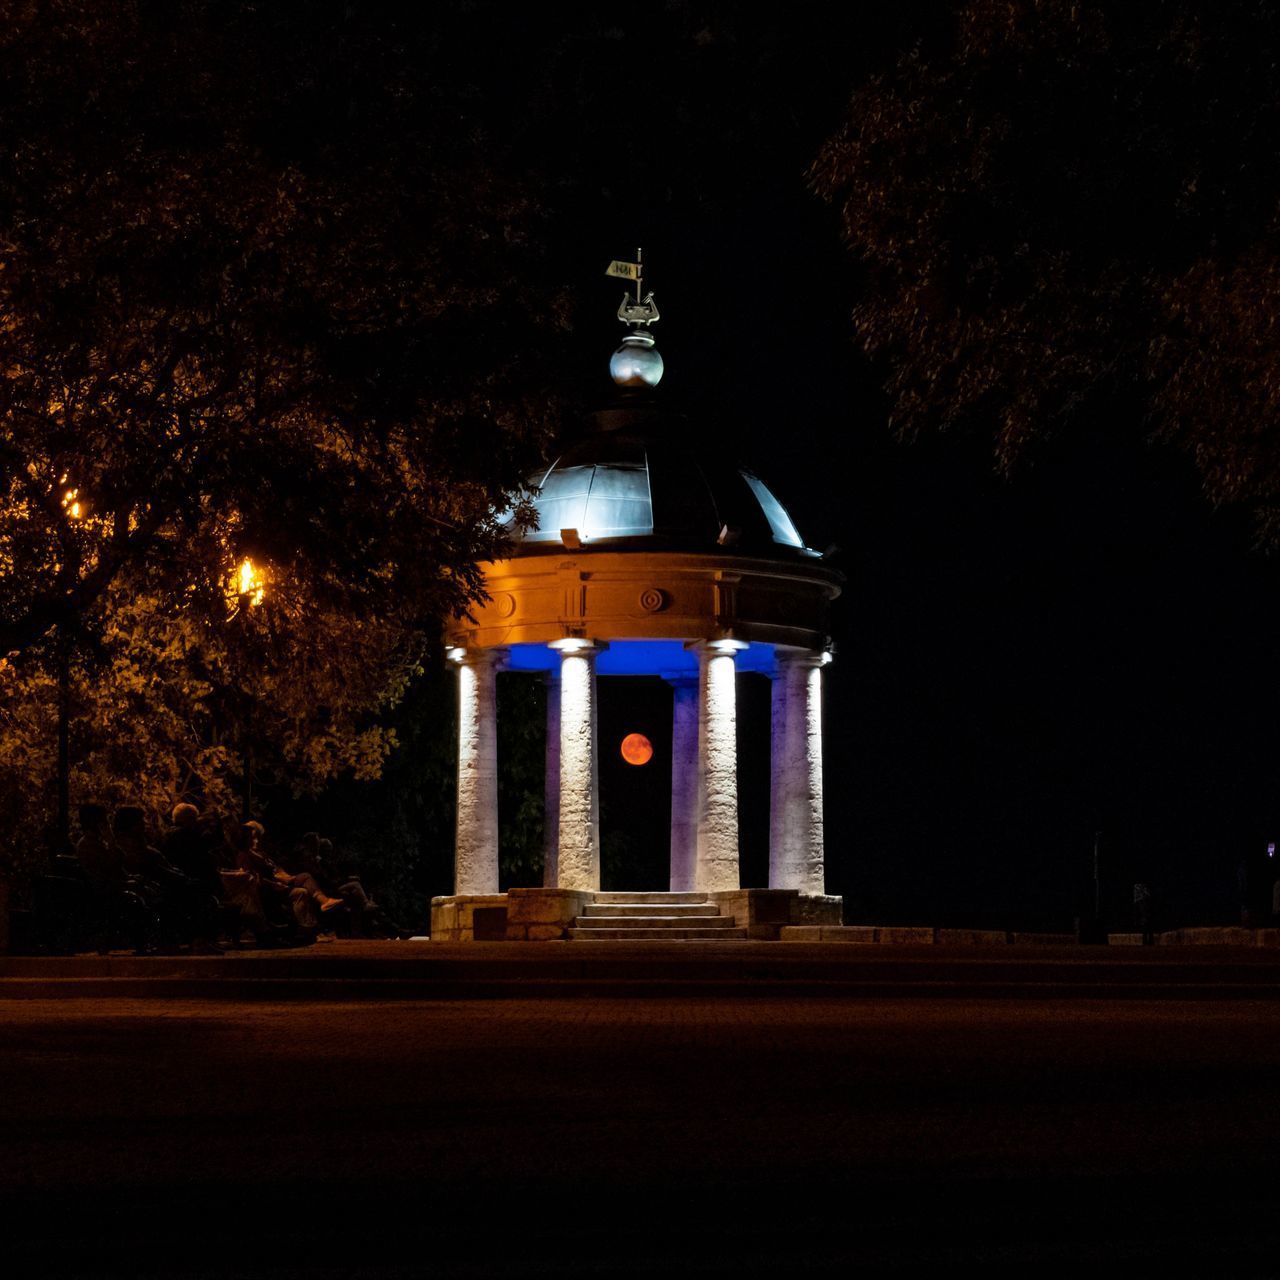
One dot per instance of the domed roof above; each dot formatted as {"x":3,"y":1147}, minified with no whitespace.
{"x":639,"y":480}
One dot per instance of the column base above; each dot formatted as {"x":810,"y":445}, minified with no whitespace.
{"x":544,"y":915}
{"x":519,"y":915}
{"x":765,"y":912}
{"x":547,"y":915}
{"x":820,"y":908}
{"x":469,"y":917}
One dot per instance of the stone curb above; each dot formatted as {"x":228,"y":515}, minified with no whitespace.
{"x":921,"y":936}
{"x":924,"y":935}
{"x":560,"y":970}
{"x":335,"y":991}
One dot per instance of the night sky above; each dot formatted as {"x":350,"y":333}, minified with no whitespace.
{"x":1022,"y":662}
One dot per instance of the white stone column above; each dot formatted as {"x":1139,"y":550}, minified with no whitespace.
{"x":684,"y":782}
{"x":796,"y":858}
{"x":717,"y":846}
{"x":578,"y":863}
{"x":475,"y":851}
{"x":551,"y":789}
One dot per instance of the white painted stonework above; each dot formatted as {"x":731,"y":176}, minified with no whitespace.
{"x":476,"y":842}
{"x":579,"y":825}
{"x":717,"y":845}
{"x":795,"y":821}
{"x":804,"y":800}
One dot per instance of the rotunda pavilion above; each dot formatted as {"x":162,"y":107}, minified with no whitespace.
{"x":652,"y":557}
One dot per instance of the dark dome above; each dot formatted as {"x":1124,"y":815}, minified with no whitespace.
{"x":637,"y":480}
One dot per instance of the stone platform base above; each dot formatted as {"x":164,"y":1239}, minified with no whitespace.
{"x":469,"y":917}
{"x":545,"y":915}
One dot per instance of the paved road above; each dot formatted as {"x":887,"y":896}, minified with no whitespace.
{"x":635,"y":1136}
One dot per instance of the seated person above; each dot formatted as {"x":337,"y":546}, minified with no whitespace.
{"x":98,"y":854}
{"x":305,"y":857}
{"x":240,"y":888}
{"x":307,"y":900}
{"x":188,"y":911}
{"x":186,"y":847}
{"x":118,"y":910}
{"x":368,"y":918}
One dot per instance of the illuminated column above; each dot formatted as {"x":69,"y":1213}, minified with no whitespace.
{"x":684,"y":782}
{"x":475,"y":850}
{"x":795,"y":823}
{"x":578,"y":863}
{"x":551,"y":791}
{"x":717,"y":847}
{"x":779,"y":750}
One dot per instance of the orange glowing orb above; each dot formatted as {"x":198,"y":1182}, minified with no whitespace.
{"x":637,"y":749}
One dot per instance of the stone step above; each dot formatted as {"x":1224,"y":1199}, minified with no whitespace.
{"x":642,"y":909}
{"x":686,"y":934}
{"x":630,"y":896}
{"x":653,"y":922}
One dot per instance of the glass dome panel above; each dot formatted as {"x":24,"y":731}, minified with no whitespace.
{"x":780,"y":523}
{"x":607,"y":500}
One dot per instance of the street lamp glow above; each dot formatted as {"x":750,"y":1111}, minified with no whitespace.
{"x":250,"y":586}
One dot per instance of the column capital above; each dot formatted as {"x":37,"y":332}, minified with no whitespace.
{"x":577,"y":646}
{"x":722,"y":647}
{"x":801,"y":658}
{"x":459,"y":656}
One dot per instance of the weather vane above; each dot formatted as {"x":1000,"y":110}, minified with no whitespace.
{"x":637,"y":363}
{"x":640,"y":311}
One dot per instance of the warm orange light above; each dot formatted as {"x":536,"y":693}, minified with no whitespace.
{"x":71,"y":504}
{"x":637,"y":749}
{"x":250,"y":584}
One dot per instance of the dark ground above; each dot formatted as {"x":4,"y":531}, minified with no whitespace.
{"x":609,"y":1136}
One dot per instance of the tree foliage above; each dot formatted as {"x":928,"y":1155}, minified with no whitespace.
{"x":243,"y":284}
{"x":264,"y":281}
{"x":280,"y":699}
{"x":1067,"y":212}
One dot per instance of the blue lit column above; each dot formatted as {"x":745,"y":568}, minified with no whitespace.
{"x":684,"y":783}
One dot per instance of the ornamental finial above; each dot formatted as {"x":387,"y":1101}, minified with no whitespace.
{"x":637,"y":362}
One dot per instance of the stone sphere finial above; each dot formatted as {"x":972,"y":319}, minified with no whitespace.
{"x":637,"y":362}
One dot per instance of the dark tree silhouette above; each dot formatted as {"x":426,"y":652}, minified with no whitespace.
{"x":1066,"y":215}
{"x":261,"y":277}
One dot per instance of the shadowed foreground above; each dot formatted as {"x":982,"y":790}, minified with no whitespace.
{"x":606,"y":1136}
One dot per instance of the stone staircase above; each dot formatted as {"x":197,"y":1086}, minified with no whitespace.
{"x":659,"y":917}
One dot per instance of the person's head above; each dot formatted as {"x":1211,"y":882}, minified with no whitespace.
{"x":310,"y":843}
{"x":251,"y":834}
{"x":93,"y":819}
{"x":130,"y":823}
{"x":185,"y":815}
